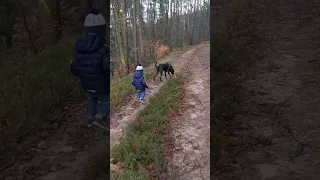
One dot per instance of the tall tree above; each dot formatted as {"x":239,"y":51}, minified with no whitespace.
{"x":118,"y":29}
{"x":140,"y":9}
{"x":57,"y":20}
{"x":104,"y":6}
{"x":125,"y":35}
{"x":85,"y":5}
{"x":135,"y":33}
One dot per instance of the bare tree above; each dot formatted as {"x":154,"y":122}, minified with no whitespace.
{"x":172,"y":23}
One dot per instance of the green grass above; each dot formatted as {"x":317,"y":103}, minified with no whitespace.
{"x":122,"y":88}
{"x":30,"y":91}
{"x":143,"y":144}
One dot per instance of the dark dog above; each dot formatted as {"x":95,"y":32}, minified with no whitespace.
{"x":166,"y":67}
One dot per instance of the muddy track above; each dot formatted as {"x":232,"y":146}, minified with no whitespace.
{"x":190,"y":157}
{"x":280,"y":96}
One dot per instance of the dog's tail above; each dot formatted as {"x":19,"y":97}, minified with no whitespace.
{"x":156,"y":64}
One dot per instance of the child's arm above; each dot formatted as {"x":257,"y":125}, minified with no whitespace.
{"x":144,"y":83}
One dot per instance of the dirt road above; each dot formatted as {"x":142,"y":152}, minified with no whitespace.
{"x":280,"y":93}
{"x":190,"y":158}
{"x":63,"y":148}
{"x":125,"y":114}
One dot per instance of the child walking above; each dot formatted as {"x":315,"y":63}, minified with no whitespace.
{"x":91,"y":64}
{"x":139,"y":83}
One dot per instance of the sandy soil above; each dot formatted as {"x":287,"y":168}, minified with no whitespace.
{"x":280,"y":93}
{"x":190,"y":158}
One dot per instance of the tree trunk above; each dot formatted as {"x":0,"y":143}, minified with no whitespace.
{"x":181,"y":24}
{"x":140,"y":26}
{"x":125,"y":35}
{"x":193,"y":23}
{"x":118,"y":22}
{"x":104,"y":6}
{"x":154,"y":22}
{"x":58,"y":22}
{"x":167,"y":25}
{"x":9,"y":25}
{"x":171,"y":30}
{"x":176,"y":23}
{"x":86,"y":5}
{"x":26,"y":25}
{"x":135,"y":50}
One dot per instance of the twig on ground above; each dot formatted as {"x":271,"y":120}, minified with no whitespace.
{"x":301,"y":144}
{"x":232,"y":165}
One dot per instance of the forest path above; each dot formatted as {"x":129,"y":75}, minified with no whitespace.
{"x":65,"y":146}
{"x":124,"y":115}
{"x":190,"y":157}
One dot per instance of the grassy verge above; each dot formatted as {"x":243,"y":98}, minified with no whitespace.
{"x":30,"y":91}
{"x":141,"y":151}
{"x":232,"y":52}
{"x":122,"y":88}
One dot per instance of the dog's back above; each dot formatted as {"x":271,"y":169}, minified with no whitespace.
{"x":163,"y":66}
{"x":166,"y":67}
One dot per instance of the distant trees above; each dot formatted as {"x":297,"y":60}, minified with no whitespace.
{"x":138,"y":25}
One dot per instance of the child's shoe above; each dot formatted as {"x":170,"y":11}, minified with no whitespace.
{"x":101,"y":124}
{"x":142,"y":101}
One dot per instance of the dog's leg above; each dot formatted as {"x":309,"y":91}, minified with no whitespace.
{"x":161,"y":76}
{"x":165,"y":74}
{"x":169,"y":74}
{"x":154,"y":78}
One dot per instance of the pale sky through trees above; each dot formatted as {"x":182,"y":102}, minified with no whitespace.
{"x":186,"y":7}
{"x":137,"y":26}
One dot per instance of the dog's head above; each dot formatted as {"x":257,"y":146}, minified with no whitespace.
{"x":171,"y":70}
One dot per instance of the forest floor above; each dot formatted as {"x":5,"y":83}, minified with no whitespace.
{"x":277,"y":127}
{"x":67,"y":149}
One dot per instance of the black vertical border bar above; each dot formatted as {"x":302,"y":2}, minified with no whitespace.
{"x":106,"y":15}
{"x":211,"y":84}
